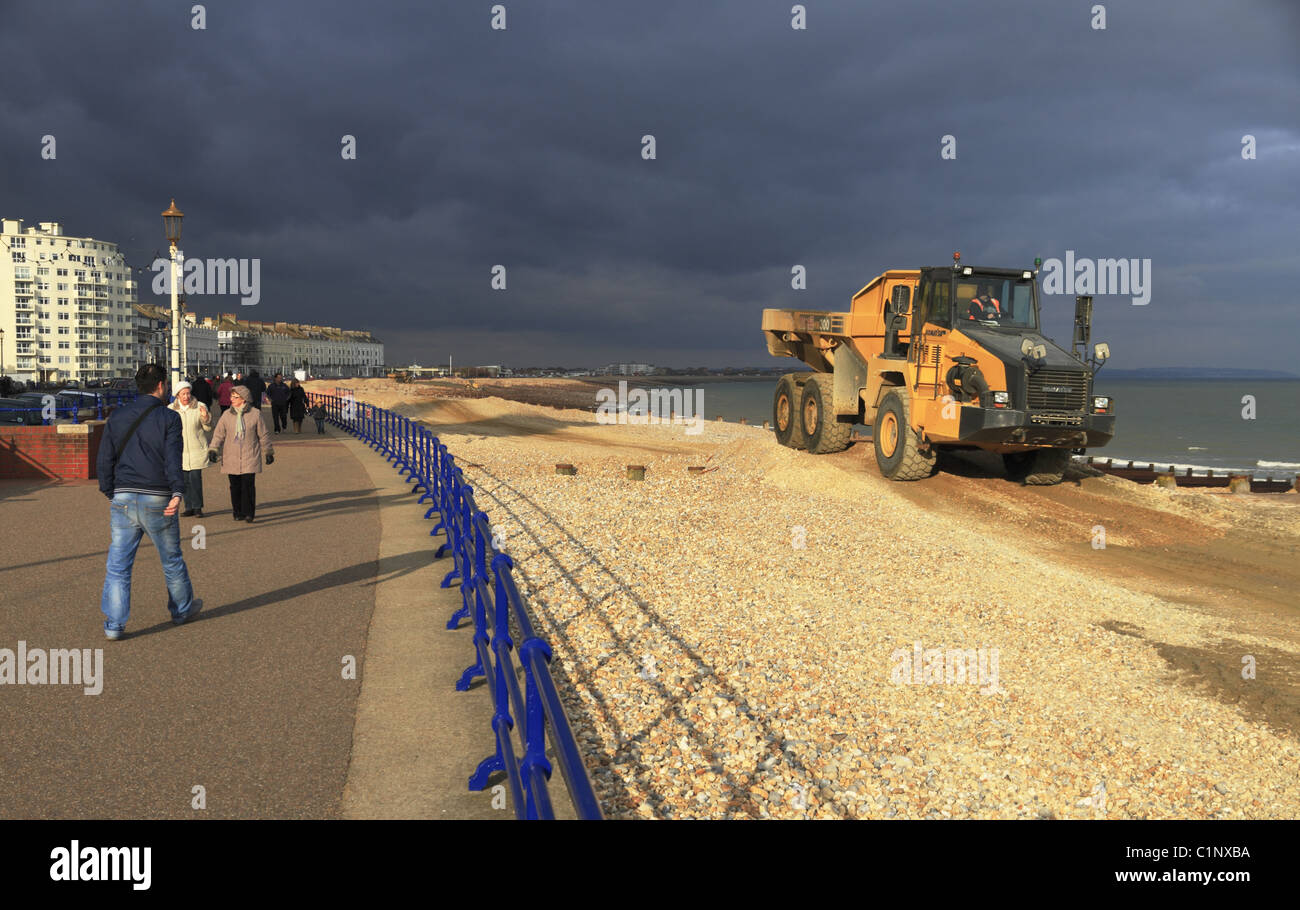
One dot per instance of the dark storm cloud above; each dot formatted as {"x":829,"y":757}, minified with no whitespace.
{"x":775,"y":147}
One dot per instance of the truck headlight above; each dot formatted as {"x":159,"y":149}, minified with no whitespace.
{"x":1001,"y":399}
{"x":1100,"y":404}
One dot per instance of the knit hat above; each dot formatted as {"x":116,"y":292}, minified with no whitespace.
{"x":181,"y":385}
{"x":242,"y":392}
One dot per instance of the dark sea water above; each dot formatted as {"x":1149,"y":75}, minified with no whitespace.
{"x":1193,"y":423}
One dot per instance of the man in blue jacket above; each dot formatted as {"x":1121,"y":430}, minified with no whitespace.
{"x":139,"y":468}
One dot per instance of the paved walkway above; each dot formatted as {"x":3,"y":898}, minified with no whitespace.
{"x":249,"y":700}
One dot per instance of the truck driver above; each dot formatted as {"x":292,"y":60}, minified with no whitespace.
{"x":985,"y":305}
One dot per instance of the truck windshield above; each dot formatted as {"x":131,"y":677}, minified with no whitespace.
{"x":995,"y":301}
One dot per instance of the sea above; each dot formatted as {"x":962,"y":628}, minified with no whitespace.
{"x":1204,"y":424}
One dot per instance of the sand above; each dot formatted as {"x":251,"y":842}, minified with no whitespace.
{"x":738,"y":643}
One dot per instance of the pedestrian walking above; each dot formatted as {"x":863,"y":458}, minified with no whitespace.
{"x":215,"y":404}
{"x":297,"y":404}
{"x":202,"y":392}
{"x":223,"y":392}
{"x":320,"y":414}
{"x":242,"y":441}
{"x":196,"y":423}
{"x":278,"y":392}
{"x":139,"y":470}
{"x":257,"y":388}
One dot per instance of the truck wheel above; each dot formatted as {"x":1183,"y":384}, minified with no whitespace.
{"x":896,"y":443}
{"x":823,"y":432}
{"x":785,"y":414}
{"x":1048,"y":468}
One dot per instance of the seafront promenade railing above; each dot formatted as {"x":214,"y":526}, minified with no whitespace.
{"x":488,"y":596}
{"x":31,"y":410}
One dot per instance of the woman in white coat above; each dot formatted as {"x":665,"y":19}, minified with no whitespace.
{"x":196,"y":423}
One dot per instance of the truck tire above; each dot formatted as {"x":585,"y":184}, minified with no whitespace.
{"x":1048,"y":467}
{"x":897,"y":452}
{"x":823,"y":432}
{"x":785,"y":414}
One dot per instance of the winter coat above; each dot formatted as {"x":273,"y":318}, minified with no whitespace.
{"x":256,"y":388}
{"x":151,"y":461}
{"x":223,"y":393}
{"x":202,"y":391}
{"x":278,"y":393}
{"x":242,"y":456}
{"x":196,"y":422}
{"x":297,"y":403}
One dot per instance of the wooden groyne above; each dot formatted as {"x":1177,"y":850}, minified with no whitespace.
{"x":1166,"y":475}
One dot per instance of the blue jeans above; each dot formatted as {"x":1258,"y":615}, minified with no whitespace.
{"x":132,"y":516}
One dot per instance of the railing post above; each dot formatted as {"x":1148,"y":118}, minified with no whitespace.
{"x":534,"y":759}
{"x":499,"y":648}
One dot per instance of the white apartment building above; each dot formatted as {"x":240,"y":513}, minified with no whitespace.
{"x":282,"y":347}
{"x":202,"y":346}
{"x":65,"y":305}
{"x":629,"y":369}
{"x":69,"y":311}
{"x":200,"y":349}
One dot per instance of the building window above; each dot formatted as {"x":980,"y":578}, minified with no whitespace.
{"x":65,"y":345}
{"x":62,"y":273}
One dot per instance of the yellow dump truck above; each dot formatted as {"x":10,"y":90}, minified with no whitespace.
{"x":942,"y":358}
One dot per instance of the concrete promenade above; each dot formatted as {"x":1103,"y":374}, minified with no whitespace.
{"x":249,"y":700}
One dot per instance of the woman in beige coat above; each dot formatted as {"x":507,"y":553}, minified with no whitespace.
{"x":196,"y":423}
{"x":242,"y":441}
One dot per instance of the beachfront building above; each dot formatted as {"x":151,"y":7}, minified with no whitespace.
{"x":202,"y":345}
{"x":65,"y":305}
{"x":629,"y":369}
{"x":153,"y":335}
{"x":283,"y":347}
{"x":150,"y":324}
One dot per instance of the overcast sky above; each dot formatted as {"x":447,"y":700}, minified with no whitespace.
{"x":775,"y":147}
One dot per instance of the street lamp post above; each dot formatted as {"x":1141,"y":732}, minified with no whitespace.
{"x":185,"y":347}
{"x":172,"y":224}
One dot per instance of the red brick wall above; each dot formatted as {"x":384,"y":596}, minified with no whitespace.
{"x":61,"y":452}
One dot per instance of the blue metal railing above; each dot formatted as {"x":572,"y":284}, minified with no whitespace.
{"x":490,"y":597}
{"x":52,"y":406}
